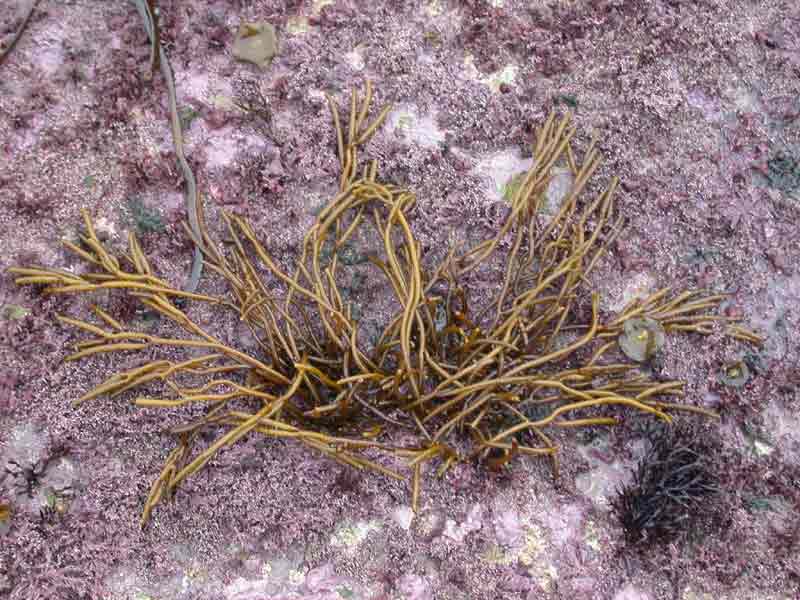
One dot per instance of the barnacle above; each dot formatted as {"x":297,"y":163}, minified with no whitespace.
{"x":735,"y":374}
{"x":467,"y":382}
{"x":641,"y":338}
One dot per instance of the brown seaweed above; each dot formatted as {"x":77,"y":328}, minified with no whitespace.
{"x":489,"y":383}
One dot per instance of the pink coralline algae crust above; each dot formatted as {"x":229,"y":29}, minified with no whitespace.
{"x":697,"y":108}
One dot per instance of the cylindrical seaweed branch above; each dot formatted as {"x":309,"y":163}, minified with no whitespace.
{"x":481,"y":384}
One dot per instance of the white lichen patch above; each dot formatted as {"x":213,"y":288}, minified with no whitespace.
{"x":434,"y":8}
{"x":690,"y":594}
{"x":316,"y":96}
{"x":403,"y":516}
{"x":220,"y":151}
{"x":604,"y":475}
{"x":297,"y":25}
{"x":639,"y":285}
{"x":195,"y":84}
{"x":504,"y":76}
{"x":26,"y":445}
{"x":508,"y":527}
{"x":240,"y":588}
{"x":61,"y":473}
{"x":630,"y":592}
{"x":761,"y":448}
{"x":193,"y":577}
{"x":564,"y":525}
{"x":473,"y":522}
{"x":222,"y":148}
{"x":496,"y":555}
{"x":530,"y":553}
{"x":280,"y":579}
{"x":545,"y":574}
{"x":557,"y":190}
{"x":470,"y":70}
{"x":781,"y":424}
{"x":355,"y":58}
{"x":743,"y":97}
{"x":350,"y":536}
{"x":524,"y":554}
{"x":407,"y":122}
{"x":13,"y":312}
{"x":498,"y":171}
{"x":318,"y":5}
{"x":597,"y":484}
{"x":296,"y":577}
{"x":288,"y":570}
{"x":102,"y":225}
{"x":127,"y":584}
{"x":152,"y":139}
{"x":591,"y":536}
{"x":222,"y":101}
{"x":532,"y":546}
{"x":281,"y":572}
{"x":49,"y":54}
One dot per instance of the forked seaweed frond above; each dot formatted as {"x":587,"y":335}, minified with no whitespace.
{"x":489,"y":383}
